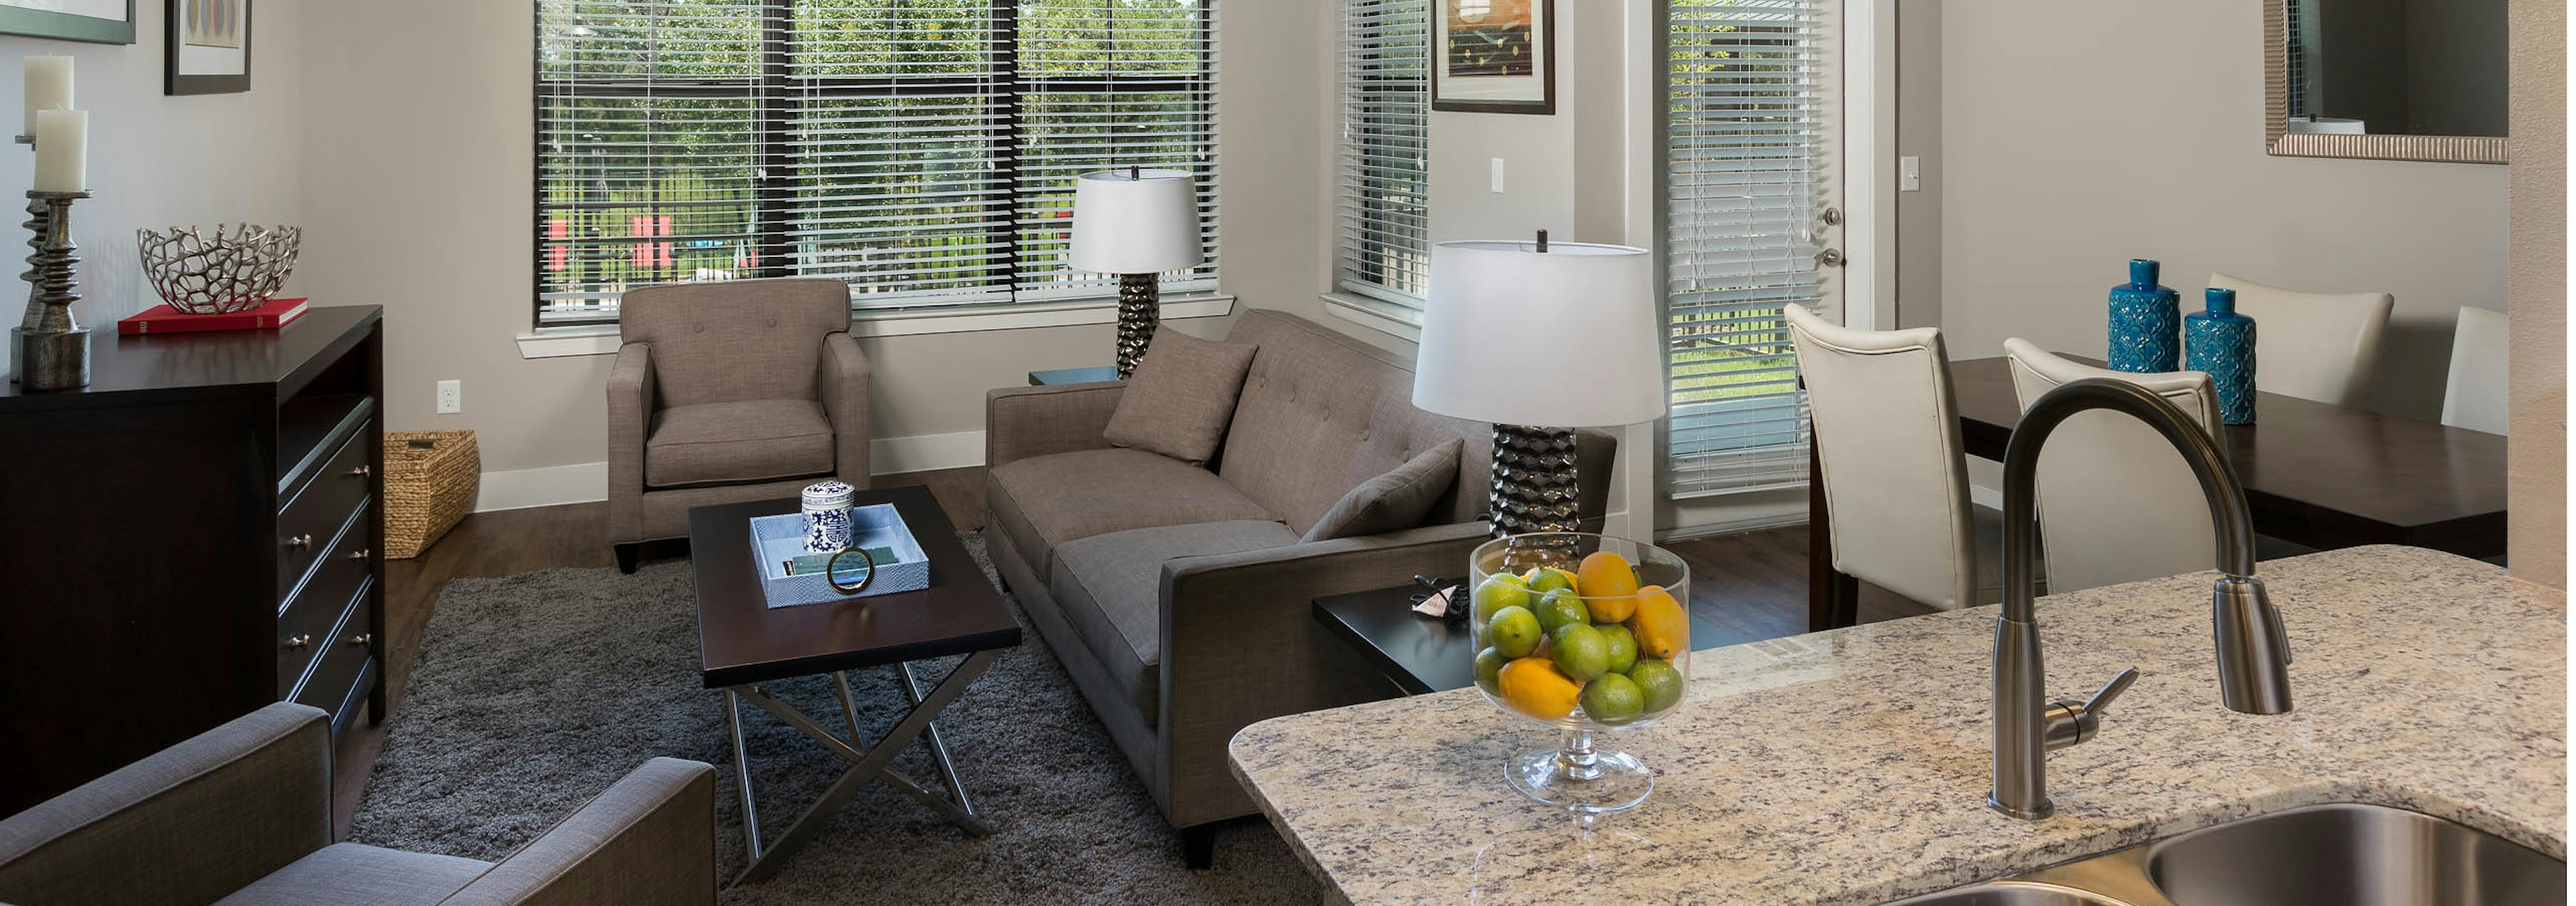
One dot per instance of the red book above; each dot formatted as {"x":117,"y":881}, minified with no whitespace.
{"x":164,"y":319}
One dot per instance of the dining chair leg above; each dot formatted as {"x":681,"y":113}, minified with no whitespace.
{"x":1821,"y":578}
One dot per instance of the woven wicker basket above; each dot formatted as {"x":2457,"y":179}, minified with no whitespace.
{"x":430,"y":480}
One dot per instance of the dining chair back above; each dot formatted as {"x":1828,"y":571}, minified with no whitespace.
{"x":2314,"y":346}
{"x":1894,"y":470}
{"x":2116,"y":502}
{"x":2474,"y":396}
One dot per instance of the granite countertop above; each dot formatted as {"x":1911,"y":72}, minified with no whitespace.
{"x":1851,"y":767}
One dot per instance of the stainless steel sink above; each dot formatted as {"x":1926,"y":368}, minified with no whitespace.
{"x":2345,"y":854}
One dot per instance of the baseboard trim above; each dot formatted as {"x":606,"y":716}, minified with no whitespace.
{"x":587,"y":482}
{"x":1733,"y":527}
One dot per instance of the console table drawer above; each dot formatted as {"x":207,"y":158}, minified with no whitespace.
{"x":307,"y":523}
{"x":342,"y":660}
{"x":304,"y":624}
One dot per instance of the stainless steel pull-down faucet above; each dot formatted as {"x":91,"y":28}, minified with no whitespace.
{"x":2253,"y":652}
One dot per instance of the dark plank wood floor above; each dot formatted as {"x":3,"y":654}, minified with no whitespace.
{"x":1753,"y":586}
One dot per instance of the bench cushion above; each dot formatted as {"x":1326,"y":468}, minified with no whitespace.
{"x":1110,"y":587}
{"x":1050,"y":500}
{"x":727,"y":443}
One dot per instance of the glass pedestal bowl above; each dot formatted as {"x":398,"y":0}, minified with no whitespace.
{"x":1587,"y":634}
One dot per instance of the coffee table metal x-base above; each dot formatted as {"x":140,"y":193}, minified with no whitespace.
{"x":867,"y":763}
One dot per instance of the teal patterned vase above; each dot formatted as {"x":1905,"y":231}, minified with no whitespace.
{"x":2221,"y":342}
{"x":2146,"y":323}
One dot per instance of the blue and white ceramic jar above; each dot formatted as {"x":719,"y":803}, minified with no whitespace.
{"x":2221,"y":342}
{"x":827,"y":516}
{"x":2146,"y":323}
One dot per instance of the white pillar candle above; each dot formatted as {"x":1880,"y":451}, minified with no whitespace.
{"x":49,"y":87}
{"x":62,"y":150}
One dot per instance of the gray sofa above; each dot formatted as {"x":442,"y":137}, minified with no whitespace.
{"x":240,"y":815}
{"x":1178,"y":596}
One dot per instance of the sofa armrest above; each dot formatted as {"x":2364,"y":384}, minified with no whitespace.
{"x":1029,"y":422}
{"x":188,"y":824}
{"x":1240,"y":645}
{"x":630,"y":420}
{"x":841,"y":382}
{"x":650,"y":840}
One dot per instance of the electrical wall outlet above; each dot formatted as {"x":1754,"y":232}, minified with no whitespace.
{"x":451,"y":397}
{"x":1909,"y":174}
{"x":1498,"y":176}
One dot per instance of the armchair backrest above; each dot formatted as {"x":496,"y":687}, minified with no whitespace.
{"x":728,"y":341}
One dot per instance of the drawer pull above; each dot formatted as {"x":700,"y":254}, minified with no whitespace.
{"x":299,"y":542}
{"x":361,"y":554}
{"x":363,"y":640}
{"x":297,"y":643}
{"x":362,"y":472}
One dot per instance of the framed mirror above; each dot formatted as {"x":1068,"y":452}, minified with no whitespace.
{"x":2385,"y":79}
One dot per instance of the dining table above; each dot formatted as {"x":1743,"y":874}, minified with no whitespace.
{"x":2315,"y":474}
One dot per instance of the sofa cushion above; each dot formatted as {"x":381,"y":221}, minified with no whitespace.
{"x":750,"y":440}
{"x":1395,"y":499}
{"x":1049,"y":500}
{"x":1110,"y":588}
{"x":1181,"y":397}
{"x":349,"y":874}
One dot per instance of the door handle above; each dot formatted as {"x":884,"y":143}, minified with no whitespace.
{"x":1830,"y":257}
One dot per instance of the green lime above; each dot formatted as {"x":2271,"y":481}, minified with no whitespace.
{"x":1489,"y":669}
{"x":1500,"y":591}
{"x":1514,"y":632}
{"x":1560,"y":609}
{"x":1660,"y":681}
{"x":1623,"y":647}
{"x":1545,"y":579}
{"x":1613,"y":699}
{"x":1580,"y":651}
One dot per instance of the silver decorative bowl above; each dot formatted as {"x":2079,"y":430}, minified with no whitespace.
{"x":239,"y":267}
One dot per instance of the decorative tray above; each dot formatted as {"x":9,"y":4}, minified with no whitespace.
{"x":777,"y":541}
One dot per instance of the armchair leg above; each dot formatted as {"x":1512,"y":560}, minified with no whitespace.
{"x":1198,"y":846}
{"x":628,"y":557}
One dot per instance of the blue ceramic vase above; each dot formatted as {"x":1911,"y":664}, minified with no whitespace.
{"x":2146,"y":323}
{"x":2221,"y":342}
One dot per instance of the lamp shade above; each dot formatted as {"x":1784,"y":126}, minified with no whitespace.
{"x":1564,"y":338}
{"x":1146,"y":223}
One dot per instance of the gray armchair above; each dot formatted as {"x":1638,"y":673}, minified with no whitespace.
{"x":241,"y":816}
{"x":729,"y":392}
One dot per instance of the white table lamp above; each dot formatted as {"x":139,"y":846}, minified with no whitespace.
{"x":1540,"y":339}
{"x":1137,"y":224}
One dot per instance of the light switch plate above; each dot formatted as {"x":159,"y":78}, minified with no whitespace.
{"x":1498,"y":176}
{"x":451,"y":397}
{"x":1909,"y":174}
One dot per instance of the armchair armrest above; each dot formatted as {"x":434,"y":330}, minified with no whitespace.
{"x":650,"y":840}
{"x":630,"y":417}
{"x":841,"y":382}
{"x":1215,"y":682}
{"x":1029,"y":422}
{"x":186,"y":825}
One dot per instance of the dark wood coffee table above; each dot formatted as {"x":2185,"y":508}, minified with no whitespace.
{"x":1418,"y":653}
{"x":742,"y":642}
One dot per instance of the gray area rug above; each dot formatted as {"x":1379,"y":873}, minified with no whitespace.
{"x":533,"y":693}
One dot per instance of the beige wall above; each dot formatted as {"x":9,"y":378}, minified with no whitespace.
{"x":1918,"y":134}
{"x":2076,"y":136}
{"x":2537,"y":400}
{"x":419,"y":181}
{"x":159,"y":161}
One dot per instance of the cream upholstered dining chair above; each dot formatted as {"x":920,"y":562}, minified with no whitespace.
{"x":729,"y":392}
{"x":2473,"y":398}
{"x":2314,"y":346}
{"x":1893,"y":467}
{"x":2116,"y":503}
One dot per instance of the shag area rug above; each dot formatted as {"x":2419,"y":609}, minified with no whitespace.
{"x":532,"y":693}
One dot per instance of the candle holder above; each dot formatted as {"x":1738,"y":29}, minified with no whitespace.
{"x":49,"y":348}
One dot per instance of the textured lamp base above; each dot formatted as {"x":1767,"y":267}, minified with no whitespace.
{"x":1140,"y":310}
{"x":1533,"y":489}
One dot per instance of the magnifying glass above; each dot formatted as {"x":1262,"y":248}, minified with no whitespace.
{"x":833,"y":571}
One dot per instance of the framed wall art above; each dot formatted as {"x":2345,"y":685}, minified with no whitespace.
{"x":100,"y":21}
{"x":209,"y":47}
{"x":1494,"y":56}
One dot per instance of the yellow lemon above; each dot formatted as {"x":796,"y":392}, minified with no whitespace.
{"x":1534,"y":686}
{"x":1661,"y":624}
{"x":1609,"y":587}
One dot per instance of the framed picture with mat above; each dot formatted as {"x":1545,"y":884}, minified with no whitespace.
{"x":209,"y":47}
{"x":1494,"y":56}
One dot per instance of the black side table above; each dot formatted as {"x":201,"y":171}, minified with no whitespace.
{"x":1422,"y":654}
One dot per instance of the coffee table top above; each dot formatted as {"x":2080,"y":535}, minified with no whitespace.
{"x":741,"y":639}
{"x":1419,"y":653}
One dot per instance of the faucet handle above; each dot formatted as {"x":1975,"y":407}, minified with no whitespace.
{"x":2066,"y":722}
{"x":2102,"y":697}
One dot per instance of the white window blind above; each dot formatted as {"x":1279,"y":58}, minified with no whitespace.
{"x":1385,"y":247}
{"x":1745,"y":147}
{"x":923,"y":151}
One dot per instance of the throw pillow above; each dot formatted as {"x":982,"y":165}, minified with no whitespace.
{"x":1181,"y":397}
{"x":1396,"y":500}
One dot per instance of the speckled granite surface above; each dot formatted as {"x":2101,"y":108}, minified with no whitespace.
{"x":1851,"y":767}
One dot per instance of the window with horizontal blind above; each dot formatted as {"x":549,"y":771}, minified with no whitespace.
{"x":923,"y":151}
{"x":1745,"y":147}
{"x":1384,"y":250}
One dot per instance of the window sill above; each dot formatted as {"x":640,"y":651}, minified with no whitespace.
{"x":1384,"y":317}
{"x":601,"y":339}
